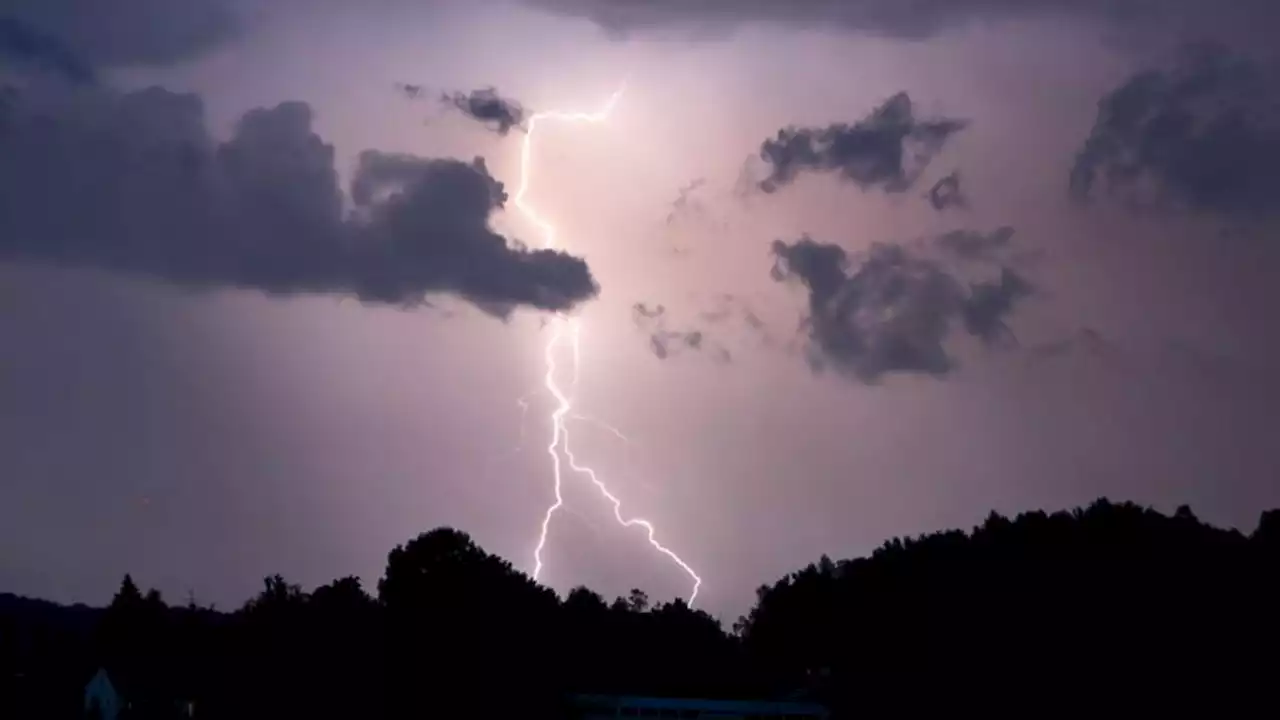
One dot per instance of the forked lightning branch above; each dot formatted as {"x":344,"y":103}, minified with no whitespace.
{"x":566,"y":337}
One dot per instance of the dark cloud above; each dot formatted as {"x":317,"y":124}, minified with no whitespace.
{"x":887,"y":150}
{"x":664,"y":342}
{"x":427,"y":220}
{"x":924,"y":18}
{"x":30,"y":47}
{"x":487,"y":106}
{"x":894,"y":311}
{"x":1203,"y":134}
{"x":974,"y":245}
{"x":130,"y":32}
{"x":134,"y":183}
{"x":990,"y":302}
{"x":412,"y":91}
{"x":946,"y":193}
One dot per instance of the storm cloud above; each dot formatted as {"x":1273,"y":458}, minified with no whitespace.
{"x":134,"y":183}
{"x":31,"y":48}
{"x":946,"y":193}
{"x":924,"y":18}
{"x":975,"y":245}
{"x":487,"y":106}
{"x":130,"y":32}
{"x":887,"y":150}
{"x":1203,"y":134}
{"x":894,"y":311}
{"x":990,"y":302}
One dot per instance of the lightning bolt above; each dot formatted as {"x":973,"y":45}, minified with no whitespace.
{"x":568,"y":330}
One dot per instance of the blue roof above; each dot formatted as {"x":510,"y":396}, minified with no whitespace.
{"x":736,"y":707}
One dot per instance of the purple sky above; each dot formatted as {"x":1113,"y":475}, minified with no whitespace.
{"x":208,"y":380}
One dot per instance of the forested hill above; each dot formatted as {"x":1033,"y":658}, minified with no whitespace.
{"x":1113,"y":607}
{"x":1090,"y":609}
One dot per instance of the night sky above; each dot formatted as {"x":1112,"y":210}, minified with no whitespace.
{"x":845,"y":269}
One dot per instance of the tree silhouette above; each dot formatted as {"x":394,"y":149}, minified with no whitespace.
{"x":128,"y":596}
{"x":461,"y":616}
{"x":1110,"y":601}
{"x":637,"y":601}
{"x":1106,"y":608}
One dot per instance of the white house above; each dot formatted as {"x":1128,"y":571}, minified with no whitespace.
{"x":100,"y":694}
{"x":106,"y":697}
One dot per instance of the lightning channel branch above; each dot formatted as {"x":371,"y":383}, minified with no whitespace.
{"x":567,"y":331}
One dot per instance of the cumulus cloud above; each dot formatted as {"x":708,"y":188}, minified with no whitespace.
{"x":894,"y":311}
{"x":31,"y":48}
{"x":924,"y":18}
{"x":1203,"y":134}
{"x":946,"y":193}
{"x":488,"y":107}
{"x":134,"y":183}
{"x":130,"y":32}
{"x":887,"y":150}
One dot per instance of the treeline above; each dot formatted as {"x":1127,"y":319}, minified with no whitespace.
{"x":1108,"y":608}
